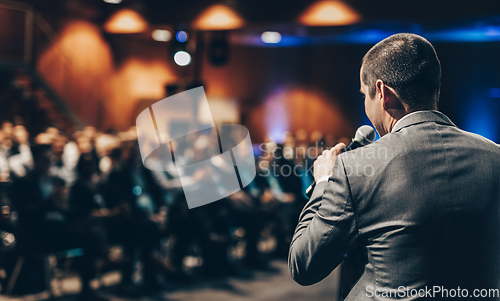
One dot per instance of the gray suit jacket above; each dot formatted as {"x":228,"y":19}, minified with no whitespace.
{"x":423,"y":202}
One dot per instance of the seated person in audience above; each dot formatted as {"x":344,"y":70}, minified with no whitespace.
{"x":244,"y":207}
{"x":7,"y":234}
{"x":19,"y":154}
{"x":86,"y":203}
{"x":276,"y":205}
{"x":4,"y":163}
{"x":60,"y":167}
{"x":44,"y":220}
{"x":134,"y":203}
{"x":293,"y":175}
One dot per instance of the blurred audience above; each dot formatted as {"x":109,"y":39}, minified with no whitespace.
{"x":89,"y":190}
{"x":45,"y":223}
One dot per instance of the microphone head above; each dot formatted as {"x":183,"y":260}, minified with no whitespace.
{"x":364,"y":135}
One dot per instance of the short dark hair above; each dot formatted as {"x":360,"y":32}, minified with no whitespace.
{"x":407,"y":63}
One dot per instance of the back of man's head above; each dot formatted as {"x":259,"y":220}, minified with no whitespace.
{"x":407,"y":63}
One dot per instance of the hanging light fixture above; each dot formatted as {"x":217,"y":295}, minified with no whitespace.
{"x":329,"y":13}
{"x":218,"y":17}
{"x":126,"y":21}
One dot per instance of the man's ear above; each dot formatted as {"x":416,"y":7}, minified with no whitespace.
{"x":380,"y":92}
{"x":388,"y":96}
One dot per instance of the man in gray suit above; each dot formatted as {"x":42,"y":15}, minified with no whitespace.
{"x":422,"y":202}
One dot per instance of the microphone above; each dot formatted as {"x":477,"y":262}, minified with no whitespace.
{"x":365,"y":135}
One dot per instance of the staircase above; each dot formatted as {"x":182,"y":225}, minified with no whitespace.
{"x":25,"y":95}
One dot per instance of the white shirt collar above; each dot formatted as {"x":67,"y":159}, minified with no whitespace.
{"x":395,"y":125}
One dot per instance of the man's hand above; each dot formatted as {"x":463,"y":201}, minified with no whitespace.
{"x":323,"y":166}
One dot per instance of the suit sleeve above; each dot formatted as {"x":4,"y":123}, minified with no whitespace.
{"x":327,"y":230}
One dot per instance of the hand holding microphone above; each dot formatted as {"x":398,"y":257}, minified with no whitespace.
{"x":323,"y":166}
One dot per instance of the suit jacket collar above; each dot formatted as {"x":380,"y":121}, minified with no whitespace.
{"x":423,"y":116}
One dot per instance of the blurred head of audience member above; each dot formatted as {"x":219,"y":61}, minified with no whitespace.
{"x":58,"y":144}
{"x":86,"y":167}
{"x":7,"y":129}
{"x":59,"y":195}
{"x":42,"y":157}
{"x":20,"y":134}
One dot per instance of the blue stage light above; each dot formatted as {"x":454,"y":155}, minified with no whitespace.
{"x":182,"y":36}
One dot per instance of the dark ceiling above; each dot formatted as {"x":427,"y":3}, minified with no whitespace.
{"x":269,"y":12}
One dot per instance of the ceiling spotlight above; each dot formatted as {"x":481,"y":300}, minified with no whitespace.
{"x":161,"y":35}
{"x":182,"y":58}
{"x":182,"y":36}
{"x":113,"y":1}
{"x":270,"y":37}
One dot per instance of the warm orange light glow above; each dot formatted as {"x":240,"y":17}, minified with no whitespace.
{"x":125,"y":21}
{"x":291,"y":109}
{"x":139,"y":79}
{"x":78,"y":66}
{"x":329,"y":13}
{"x":218,"y":17}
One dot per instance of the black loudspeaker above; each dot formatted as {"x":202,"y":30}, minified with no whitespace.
{"x":218,"y":49}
